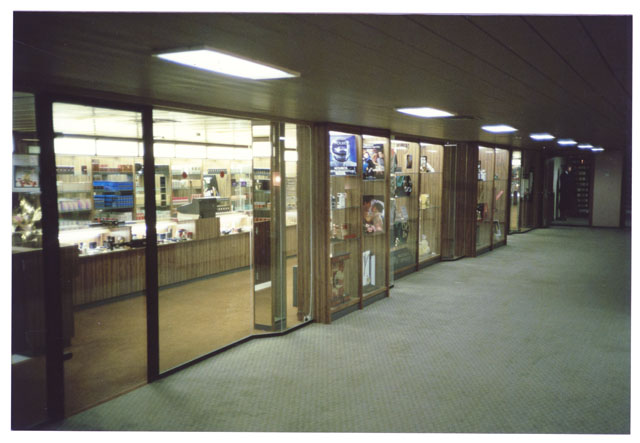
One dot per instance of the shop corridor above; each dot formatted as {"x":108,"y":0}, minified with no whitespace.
{"x":533,"y":337}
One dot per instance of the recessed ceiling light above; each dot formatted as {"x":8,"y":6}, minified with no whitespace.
{"x":224,"y":63}
{"x":542,"y":136}
{"x":585,"y":146}
{"x":425,"y":112}
{"x":567,"y":142}
{"x":496,"y":129}
{"x":597,"y":149}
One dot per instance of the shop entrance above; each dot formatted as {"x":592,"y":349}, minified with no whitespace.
{"x":220,"y":208}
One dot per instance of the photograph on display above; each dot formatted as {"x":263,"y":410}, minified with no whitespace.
{"x":26,"y":173}
{"x":373,"y":214}
{"x":343,"y":155}
{"x":404,"y":186}
{"x":373,"y":161}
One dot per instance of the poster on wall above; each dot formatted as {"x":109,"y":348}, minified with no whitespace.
{"x":373,"y":214}
{"x":343,"y":159}
{"x":373,"y":161}
{"x":26,"y":173}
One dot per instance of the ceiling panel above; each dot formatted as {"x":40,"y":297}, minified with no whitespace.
{"x":566,"y":75}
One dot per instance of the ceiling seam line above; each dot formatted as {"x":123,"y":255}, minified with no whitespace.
{"x":551,"y":79}
{"x":615,"y":108}
{"x":604,"y":60}
{"x":552,"y":98}
{"x":446,"y":63}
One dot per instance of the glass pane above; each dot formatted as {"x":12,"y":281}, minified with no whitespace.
{"x":527,"y":182}
{"x":346,"y":220}
{"x":430,"y":201}
{"x":102,"y":241}
{"x":484,"y":210}
{"x":516,"y":194}
{"x":403,"y":201}
{"x":500,"y":195}
{"x":297,"y":296}
{"x":28,"y":333}
{"x":375,"y":193}
{"x":71,"y":119}
{"x":204,"y":197}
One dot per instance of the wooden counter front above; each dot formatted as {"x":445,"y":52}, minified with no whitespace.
{"x":111,"y":274}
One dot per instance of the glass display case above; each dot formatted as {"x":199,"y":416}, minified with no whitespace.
{"x":375,"y":224}
{"x":500,"y":183}
{"x":345,"y":220}
{"x":430,"y":202}
{"x":484,"y":203}
{"x":403,"y":206}
{"x":516,"y":175}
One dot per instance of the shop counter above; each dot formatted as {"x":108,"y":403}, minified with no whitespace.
{"x":102,"y":276}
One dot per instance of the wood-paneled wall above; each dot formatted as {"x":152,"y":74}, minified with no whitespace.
{"x":459,"y":195}
{"x":319,"y":232}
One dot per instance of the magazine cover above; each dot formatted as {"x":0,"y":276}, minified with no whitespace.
{"x":343,"y":158}
{"x":373,"y":161}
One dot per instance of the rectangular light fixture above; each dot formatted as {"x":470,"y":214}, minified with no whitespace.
{"x":425,"y":112}
{"x":598,"y":149}
{"x":585,"y":146}
{"x":225,"y":63}
{"x":541,"y":136}
{"x":567,"y":142}
{"x":498,"y":129}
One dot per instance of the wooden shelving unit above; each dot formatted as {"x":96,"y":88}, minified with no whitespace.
{"x":358,"y":221}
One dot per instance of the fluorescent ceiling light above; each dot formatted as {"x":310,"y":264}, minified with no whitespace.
{"x":567,"y":142}
{"x":228,"y":64}
{"x":74,"y":146}
{"x":597,"y":149}
{"x":262,"y":149}
{"x":116,"y":148}
{"x":542,"y":136}
{"x":585,"y":146}
{"x":496,"y":129}
{"x":425,"y":112}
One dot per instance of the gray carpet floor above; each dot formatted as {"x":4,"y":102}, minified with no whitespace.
{"x":533,"y":337}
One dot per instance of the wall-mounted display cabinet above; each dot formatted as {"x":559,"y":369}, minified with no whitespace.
{"x":491,"y":209}
{"x":358,"y":220}
{"x":415,"y":205}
